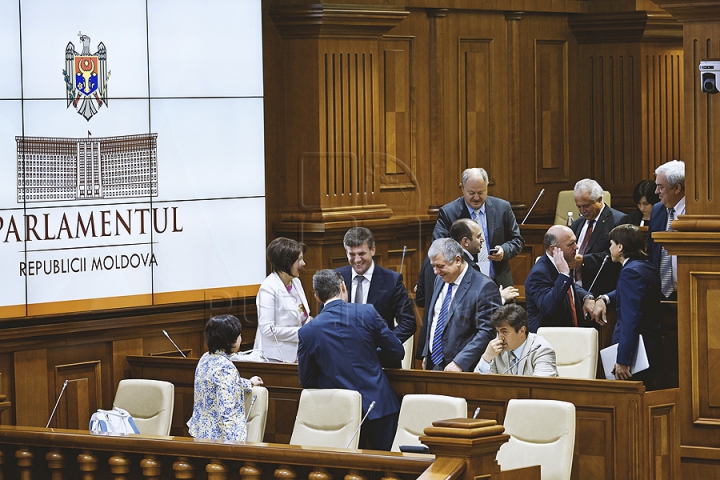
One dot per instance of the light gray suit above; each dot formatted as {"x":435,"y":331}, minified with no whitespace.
{"x":539,"y":363}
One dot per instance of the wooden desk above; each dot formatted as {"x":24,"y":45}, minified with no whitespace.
{"x":622,"y":431}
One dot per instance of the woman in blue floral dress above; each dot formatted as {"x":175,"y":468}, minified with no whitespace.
{"x":219,"y":409}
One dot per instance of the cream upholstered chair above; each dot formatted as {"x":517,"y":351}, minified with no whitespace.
{"x":417,"y":412}
{"x":542,"y":432}
{"x":257,"y":415}
{"x":150,"y":402}
{"x":327,"y":418}
{"x":407,"y":360}
{"x":566,"y":203}
{"x":576,"y":350}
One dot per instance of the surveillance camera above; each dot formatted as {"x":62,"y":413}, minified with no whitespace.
{"x":709,"y":71}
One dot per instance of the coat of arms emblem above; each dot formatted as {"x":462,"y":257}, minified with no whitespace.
{"x":86,"y":77}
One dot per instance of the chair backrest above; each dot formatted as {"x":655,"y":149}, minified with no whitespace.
{"x":327,"y":418}
{"x":417,"y":412}
{"x":257,"y":419}
{"x":407,"y":360}
{"x":576,"y":350}
{"x":150,"y":402}
{"x":542,"y":432}
{"x":566,"y":203}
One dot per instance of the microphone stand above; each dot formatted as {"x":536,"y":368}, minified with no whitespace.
{"x":598,"y":273}
{"x":56,"y":404}
{"x":174,"y":344}
{"x":372,"y":405}
{"x":533,"y":206}
{"x":252,"y":402}
{"x":512,"y":365}
{"x":402,"y":261}
{"x":272,"y":329}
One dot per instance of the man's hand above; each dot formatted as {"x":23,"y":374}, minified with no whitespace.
{"x":599,"y":313}
{"x":498,"y":256}
{"x":493,"y":349}
{"x":578,"y":260}
{"x":560,"y":262}
{"x":508,"y":293}
{"x":622,"y":372}
{"x":588,"y":307}
{"x":256,"y":380}
{"x":453,"y":367}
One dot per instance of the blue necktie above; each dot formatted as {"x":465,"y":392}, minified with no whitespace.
{"x":437,"y":351}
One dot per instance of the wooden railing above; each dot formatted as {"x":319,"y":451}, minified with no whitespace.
{"x":33,"y":453}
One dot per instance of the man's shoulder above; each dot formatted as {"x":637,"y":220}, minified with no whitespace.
{"x":454,"y":206}
{"x":498,"y":203}
{"x":538,"y":341}
{"x":344,"y":270}
{"x":619,"y":217}
{"x":477,"y":279}
{"x":542,"y":265}
{"x":385,"y":272}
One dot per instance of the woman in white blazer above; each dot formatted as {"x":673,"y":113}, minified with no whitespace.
{"x":281,"y":303}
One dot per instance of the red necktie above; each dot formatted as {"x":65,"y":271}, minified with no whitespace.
{"x":583,"y":247}
{"x":572,"y":305}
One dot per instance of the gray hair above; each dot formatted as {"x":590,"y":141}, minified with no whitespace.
{"x":447,"y":246}
{"x":468,"y":172}
{"x":326,"y":284}
{"x":356,"y":236}
{"x":674,"y":171}
{"x":590,"y":186}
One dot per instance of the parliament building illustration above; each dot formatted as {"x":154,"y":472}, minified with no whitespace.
{"x":54,"y":169}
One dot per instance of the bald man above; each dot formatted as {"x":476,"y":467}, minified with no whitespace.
{"x":551,"y":298}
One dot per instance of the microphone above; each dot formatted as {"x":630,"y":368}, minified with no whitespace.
{"x":598,"y":273}
{"x":402,"y":261}
{"x":372,"y":405}
{"x":513,"y":365}
{"x":174,"y":344}
{"x":56,"y":404}
{"x":533,"y":206}
{"x":477,"y":412}
{"x":272,"y":329}
{"x":252,"y":402}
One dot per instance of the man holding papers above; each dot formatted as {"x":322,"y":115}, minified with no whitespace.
{"x":637,"y":301}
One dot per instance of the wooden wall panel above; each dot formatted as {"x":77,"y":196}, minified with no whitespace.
{"x":552,"y":149}
{"x":32,"y":396}
{"x":705,"y":344}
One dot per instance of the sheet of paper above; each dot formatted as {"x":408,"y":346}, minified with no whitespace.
{"x":639,"y":362}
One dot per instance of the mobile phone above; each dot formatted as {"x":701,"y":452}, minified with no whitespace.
{"x":493,"y":251}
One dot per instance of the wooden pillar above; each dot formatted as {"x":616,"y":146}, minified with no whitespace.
{"x":696,"y":242}
{"x":437,"y":111}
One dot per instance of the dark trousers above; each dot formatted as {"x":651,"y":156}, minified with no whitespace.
{"x":378,"y":434}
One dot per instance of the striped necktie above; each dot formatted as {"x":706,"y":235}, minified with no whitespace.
{"x":437,"y":351}
{"x":666,"y":280}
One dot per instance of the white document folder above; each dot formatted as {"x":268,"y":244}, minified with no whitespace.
{"x":638,"y":364}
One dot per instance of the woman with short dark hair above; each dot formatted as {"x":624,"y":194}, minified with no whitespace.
{"x":219,"y":407}
{"x":636,"y":299}
{"x":644,"y":197}
{"x":282,"y":306}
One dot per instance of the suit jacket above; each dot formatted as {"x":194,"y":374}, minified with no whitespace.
{"x":468,"y":328}
{"x":279,"y":309}
{"x":658,"y":223}
{"x":637,"y":303}
{"x":546,"y":297}
{"x":338,"y":349}
{"x":391,"y":300}
{"x":597,"y":248}
{"x":503,"y":230}
{"x":540,"y":361}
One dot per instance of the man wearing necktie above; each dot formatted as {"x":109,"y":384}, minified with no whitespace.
{"x":457,"y":327}
{"x":496,"y":219}
{"x":370,"y":283}
{"x":592,"y":230}
{"x":551,"y":297}
{"x":670,"y":180}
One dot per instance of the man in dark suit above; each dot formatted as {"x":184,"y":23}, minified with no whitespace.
{"x":551,"y":298}
{"x":494,"y":215}
{"x":670,"y":180}
{"x":458,"y":318}
{"x":381,"y":287}
{"x":592,"y":230}
{"x":338,"y":349}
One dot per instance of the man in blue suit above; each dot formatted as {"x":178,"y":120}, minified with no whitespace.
{"x":381,"y":287}
{"x":339,"y":349}
{"x":457,"y":324}
{"x":551,"y":298}
{"x":494,"y":215}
